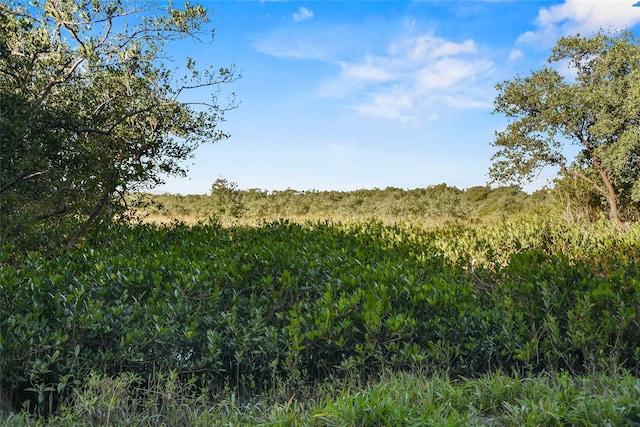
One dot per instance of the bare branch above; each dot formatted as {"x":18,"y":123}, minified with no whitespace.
{"x":22,"y":178}
{"x":47,"y":89}
{"x":92,"y":217}
{"x":58,"y":211}
{"x":100,"y":107}
{"x":585,"y":178}
{"x":137,"y":112}
{"x":107,"y":31}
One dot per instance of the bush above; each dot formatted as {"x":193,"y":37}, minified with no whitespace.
{"x":253,"y":308}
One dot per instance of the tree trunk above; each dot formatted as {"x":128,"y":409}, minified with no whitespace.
{"x":610,"y":195}
{"x":613,"y":211}
{"x":101,"y":205}
{"x":608,"y":191}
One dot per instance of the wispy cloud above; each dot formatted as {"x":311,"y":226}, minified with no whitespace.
{"x":515,"y":54}
{"x":281,"y":44}
{"x":413,"y":79}
{"x":580,"y":16}
{"x":388,"y":104}
{"x":365,"y":72}
{"x":307,"y":42}
{"x":302,"y":14}
{"x":410,"y":77}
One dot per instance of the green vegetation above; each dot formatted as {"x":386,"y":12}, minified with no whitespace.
{"x":400,"y":399}
{"x":277,"y":310}
{"x":90,"y":112}
{"x":432,"y":206}
{"x":434,"y":306}
{"x":597,"y":110}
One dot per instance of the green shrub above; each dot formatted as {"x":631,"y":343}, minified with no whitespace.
{"x":255,"y":308}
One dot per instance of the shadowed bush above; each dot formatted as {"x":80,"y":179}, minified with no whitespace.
{"x":255,"y":308}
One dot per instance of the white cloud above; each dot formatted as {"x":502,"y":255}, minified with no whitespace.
{"x":565,"y":69}
{"x":445,"y":73}
{"x":281,"y":45}
{"x":580,"y":16}
{"x":302,"y":14}
{"x":429,"y":47}
{"x":394,"y":104}
{"x":515,"y":54}
{"x":327,"y":43}
{"x":414,"y":79}
{"x":466,"y":102}
{"x":409,"y":78}
{"x":365,"y":72}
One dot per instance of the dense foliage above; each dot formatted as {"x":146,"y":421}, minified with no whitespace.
{"x":597,"y":109}
{"x":252,"y":308}
{"x":434,"y":205}
{"x":143,"y":324}
{"x":89,"y":111}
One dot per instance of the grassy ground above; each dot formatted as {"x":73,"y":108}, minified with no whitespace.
{"x":395,"y":399}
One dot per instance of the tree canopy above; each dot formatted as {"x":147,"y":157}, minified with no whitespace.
{"x":588,"y":96}
{"x":90,"y":110}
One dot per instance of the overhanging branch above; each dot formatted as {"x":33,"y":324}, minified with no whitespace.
{"x":21,"y":179}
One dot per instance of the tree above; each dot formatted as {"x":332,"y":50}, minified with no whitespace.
{"x":227,"y":199}
{"x":89,"y":111}
{"x":597,"y":108}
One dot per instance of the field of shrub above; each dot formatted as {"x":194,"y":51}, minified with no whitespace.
{"x":278,"y":310}
{"x":429,"y":206}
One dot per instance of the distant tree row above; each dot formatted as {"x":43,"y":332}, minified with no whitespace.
{"x":434,"y":204}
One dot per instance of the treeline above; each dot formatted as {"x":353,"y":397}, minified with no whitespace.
{"x":438,"y":203}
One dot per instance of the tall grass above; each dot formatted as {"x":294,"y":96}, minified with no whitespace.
{"x":394,"y":399}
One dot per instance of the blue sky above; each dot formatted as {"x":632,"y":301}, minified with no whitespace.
{"x":345,"y":95}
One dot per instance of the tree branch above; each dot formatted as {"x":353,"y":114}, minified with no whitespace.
{"x":59,"y":211}
{"x":22,"y":178}
{"x":584,"y":177}
{"x":55,"y":81}
{"x":101,"y":205}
